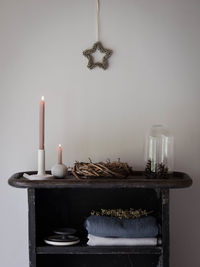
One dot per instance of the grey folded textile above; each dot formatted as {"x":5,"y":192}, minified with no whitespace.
{"x":119,"y":241}
{"x":114,"y":227}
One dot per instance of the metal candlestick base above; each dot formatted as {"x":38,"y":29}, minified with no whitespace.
{"x":41,"y":175}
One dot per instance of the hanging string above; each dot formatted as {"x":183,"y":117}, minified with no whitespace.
{"x":97,"y":20}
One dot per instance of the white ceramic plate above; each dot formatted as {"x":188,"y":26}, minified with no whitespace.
{"x":63,"y":243}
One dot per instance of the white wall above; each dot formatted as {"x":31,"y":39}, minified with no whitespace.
{"x":154,"y":77}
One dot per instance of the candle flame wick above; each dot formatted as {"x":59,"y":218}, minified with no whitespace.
{"x":59,"y":145}
{"x":42,"y":98}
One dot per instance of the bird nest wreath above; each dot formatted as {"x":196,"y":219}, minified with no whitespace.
{"x":108,"y":169}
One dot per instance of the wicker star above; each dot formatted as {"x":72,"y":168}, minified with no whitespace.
{"x":88,"y":53}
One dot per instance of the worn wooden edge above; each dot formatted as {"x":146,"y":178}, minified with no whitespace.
{"x":84,"y":249}
{"x":137,"y":180}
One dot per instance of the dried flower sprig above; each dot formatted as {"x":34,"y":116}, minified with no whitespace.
{"x":122,"y":213}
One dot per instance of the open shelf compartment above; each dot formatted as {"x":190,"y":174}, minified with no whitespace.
{"x":98,"y":260}
{"x":69,"y":207}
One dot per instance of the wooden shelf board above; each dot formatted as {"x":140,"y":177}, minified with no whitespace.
{"x":137,"y":180}
{"x":84,"y":249}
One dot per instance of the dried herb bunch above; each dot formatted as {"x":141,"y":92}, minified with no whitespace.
{"x":161,"y":170}
{"x":121,"y":213}
{"x":115,"y":169}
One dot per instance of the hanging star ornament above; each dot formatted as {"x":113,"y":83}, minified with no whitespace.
{"x":88,"y":53}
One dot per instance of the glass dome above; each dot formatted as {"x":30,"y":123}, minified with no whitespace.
{"x":159,"y":153}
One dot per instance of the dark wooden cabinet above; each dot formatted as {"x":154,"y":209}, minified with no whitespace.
{"x":68,"y":202}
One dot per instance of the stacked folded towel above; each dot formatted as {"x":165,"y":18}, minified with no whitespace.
{"x":109,"y":231}
{"x":115,"y":241}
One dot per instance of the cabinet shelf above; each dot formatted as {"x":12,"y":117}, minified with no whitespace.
{"x":84,"y":249}
{"x":68,"y":202}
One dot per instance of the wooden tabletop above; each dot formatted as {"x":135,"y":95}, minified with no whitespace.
{"x":136,"y":180}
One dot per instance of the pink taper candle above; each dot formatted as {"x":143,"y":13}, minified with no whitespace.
{"x":41,"y":133}
{"x":59,"y":154}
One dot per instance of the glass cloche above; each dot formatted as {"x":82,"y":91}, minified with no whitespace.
{"x":159,"y":154}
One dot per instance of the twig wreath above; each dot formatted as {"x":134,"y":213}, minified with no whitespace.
{"x":97,"y":46}
{"x":115,"y":169}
